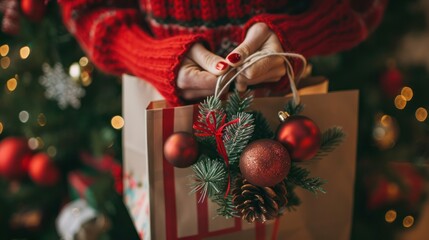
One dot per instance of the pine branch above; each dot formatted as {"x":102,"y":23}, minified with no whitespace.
{"x":237,"y":136}
{"x":226,"y":208}
{"x":210,"y":177}
{"x":299,"y":177}
{"x":262,"y":128}
{"x":211,"y":104}
{"x":331,"y":138}
{"x":293,"y":109}
{"x":292,"y":198}
{"x":238,"y":102}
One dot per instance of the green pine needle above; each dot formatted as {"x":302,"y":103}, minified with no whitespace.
{"x":238,"y":102}
{"x":292,"y":199}
{"x":211,"y":104}
{"x":331,"y":138}
{"x":299,"y":177}
{"x":237,"y":136}
{"x":226,"y":208}
{"x":210,"y":177}
{"x":262,"y":128}
{"x":293,"y":109}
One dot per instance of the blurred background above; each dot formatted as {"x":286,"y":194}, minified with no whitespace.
{"x":60,"y":126}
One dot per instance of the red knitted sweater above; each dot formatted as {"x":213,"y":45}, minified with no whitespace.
{"x":148,"y":38}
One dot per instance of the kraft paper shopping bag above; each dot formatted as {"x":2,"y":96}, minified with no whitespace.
{"x":158,"y":196}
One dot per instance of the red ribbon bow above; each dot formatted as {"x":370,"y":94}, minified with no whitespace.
{"x":209,"y":128}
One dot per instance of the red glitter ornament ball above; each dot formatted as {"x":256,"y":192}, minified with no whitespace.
{"x":14,"y":158}
{"x":33,"y":9}
{"x":181,"y":149}
{"x":301,"y":136}
{"x":265,"y":162}
{"x":43,"y":171}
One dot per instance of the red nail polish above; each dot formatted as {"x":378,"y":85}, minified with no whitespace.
{"x":234,"y":57}
{"x":221,"y":66}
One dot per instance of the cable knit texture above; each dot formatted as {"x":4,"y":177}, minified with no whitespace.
{"x":148,"y":38}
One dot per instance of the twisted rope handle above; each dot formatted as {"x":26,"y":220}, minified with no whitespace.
{"x":258,"y":56}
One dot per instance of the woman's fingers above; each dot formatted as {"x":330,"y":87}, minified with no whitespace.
{"x":263,"y":66}
{"x":255,"y":38}
{"x":207,"y":60}
{"x":273,"y":75}
{"x":191,"y":76}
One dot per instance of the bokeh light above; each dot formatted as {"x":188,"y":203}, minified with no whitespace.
{"x":4,"y":50}
{"x":400,"y":102}
{"x":83,"y":61}
{"x":407,"y":92}
{"x":52,"y":151}
{"x":11,"y":84}
{"x":86,"y":79}
{"x":41,"y":119}
{"x":24,"y":52}
{"x":33,"y":144}
{"x":74,"y":70}
{"x":5,"y":62}
{"x":408,"y":221}
{"x":23,"y":116}
{"x":390,"y":216}
{"x":117,"y":122}
{"x":421,"y":114}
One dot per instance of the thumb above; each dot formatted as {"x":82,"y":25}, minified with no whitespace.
{"x":255,"y":38}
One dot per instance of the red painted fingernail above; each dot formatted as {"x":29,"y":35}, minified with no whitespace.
{"x":221,"y":66}
{"x":234,"y":57}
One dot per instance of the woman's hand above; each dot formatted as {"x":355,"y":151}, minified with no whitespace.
{"x":271,"y":69}
{"x":198,"y":73}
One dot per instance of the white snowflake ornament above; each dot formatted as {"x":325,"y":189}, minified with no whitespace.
{"x":60,"y":86}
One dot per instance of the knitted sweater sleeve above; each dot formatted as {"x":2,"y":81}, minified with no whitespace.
{"x":115,"y":41}
{"x":329,"y":26}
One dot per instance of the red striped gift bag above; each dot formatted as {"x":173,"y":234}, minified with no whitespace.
{"x":157,"y":194}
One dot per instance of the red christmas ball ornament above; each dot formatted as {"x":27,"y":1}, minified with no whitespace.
{"x":300,"y":135}
{"x":412,"y":180}
{"x":11,"y":17}
{"x":392,"y":80}
{"x":181,"y":149}
{"x":43,"y":171}
{"x":382,"y":192}
{"x":265,"y":162}
{"x":14,"y":157}
{"x":33,"y":9}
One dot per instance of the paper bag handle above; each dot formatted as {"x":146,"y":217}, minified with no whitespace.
{"x":258,"y":56}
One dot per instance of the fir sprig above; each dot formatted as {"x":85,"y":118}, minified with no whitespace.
{"x":226,"y":208}
{"x":237,"y":136}
{"x":292,"y":108}
{"x":292,"y":199}
{"x":262,"y":128}
{"x":331,"y":138}
{"x":210,"y":177}
{"x":299,"y":177}
{"x":238,"y":102}
{"x":211,"y":104}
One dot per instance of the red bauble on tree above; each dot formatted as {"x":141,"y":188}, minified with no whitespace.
{"x":14,"y":157}
{"x":300,"y":135}
{"x":392,"y":80}
{"x":181,"y":149}
{"x":11,"y":16}
{"x":265,"y":163}
{"x":33,"y":9}
{"x":43,"y":171}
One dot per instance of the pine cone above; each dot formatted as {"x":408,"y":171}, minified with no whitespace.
{"x":259,"y":204}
